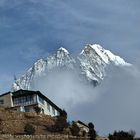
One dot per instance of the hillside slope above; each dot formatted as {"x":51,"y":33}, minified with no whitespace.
{"x":15,"y":122}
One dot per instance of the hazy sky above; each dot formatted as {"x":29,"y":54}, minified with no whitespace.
{"x":32,"y":29}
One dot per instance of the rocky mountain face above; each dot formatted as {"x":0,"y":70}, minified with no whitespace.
{"x":91,"y":64}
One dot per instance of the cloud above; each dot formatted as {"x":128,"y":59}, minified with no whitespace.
{"x":118,"y":106}
{"x":113,"y":105}
{"x":65,"y":88}
{"x":30,"y":28}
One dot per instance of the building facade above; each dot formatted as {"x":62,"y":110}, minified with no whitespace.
{"x":26,"y":101}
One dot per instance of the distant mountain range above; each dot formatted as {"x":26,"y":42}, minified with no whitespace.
{"x":91,"y":64}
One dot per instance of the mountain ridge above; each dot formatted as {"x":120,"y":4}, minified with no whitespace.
{"x":91,"y":63}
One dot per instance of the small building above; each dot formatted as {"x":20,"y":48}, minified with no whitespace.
{"x":80,"y":129}
{"x":26,"y":101}
{"x":82,"y":126}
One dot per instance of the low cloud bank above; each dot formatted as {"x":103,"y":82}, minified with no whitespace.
{"x":118,"y":106}
{"x":113,"y":105}
{"x":66,"y":88}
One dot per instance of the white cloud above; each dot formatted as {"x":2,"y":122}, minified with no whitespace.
{"x":113,"y":105}
{"x":118,"y":107}
{"x":65,"y":88}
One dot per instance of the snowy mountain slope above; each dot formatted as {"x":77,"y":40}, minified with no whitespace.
{"x":94,"y":59}
{"x":91,"y":64}
{"x":41,"y":67}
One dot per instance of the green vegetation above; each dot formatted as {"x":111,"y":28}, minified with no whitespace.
{"x":29,"y":129}
{"x":37,"y":109}
{"x":122,"y":135}
{"x":92,"y":132}
{"x":63,"y":113}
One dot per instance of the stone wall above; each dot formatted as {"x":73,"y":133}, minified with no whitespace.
{"x":40,"y":137}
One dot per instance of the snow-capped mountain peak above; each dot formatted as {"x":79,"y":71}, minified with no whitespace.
{"x":63,"y":50}
{"x":106,"y":55}
{"x":91,"y":64}
{"x":59,"y":59}
{"x":95,"y":49}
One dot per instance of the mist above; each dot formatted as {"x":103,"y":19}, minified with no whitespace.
{"x":66,"y":88}
{"x":118,"y":106}
{"x":112,"y":105}
{"x":34,"y":28}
